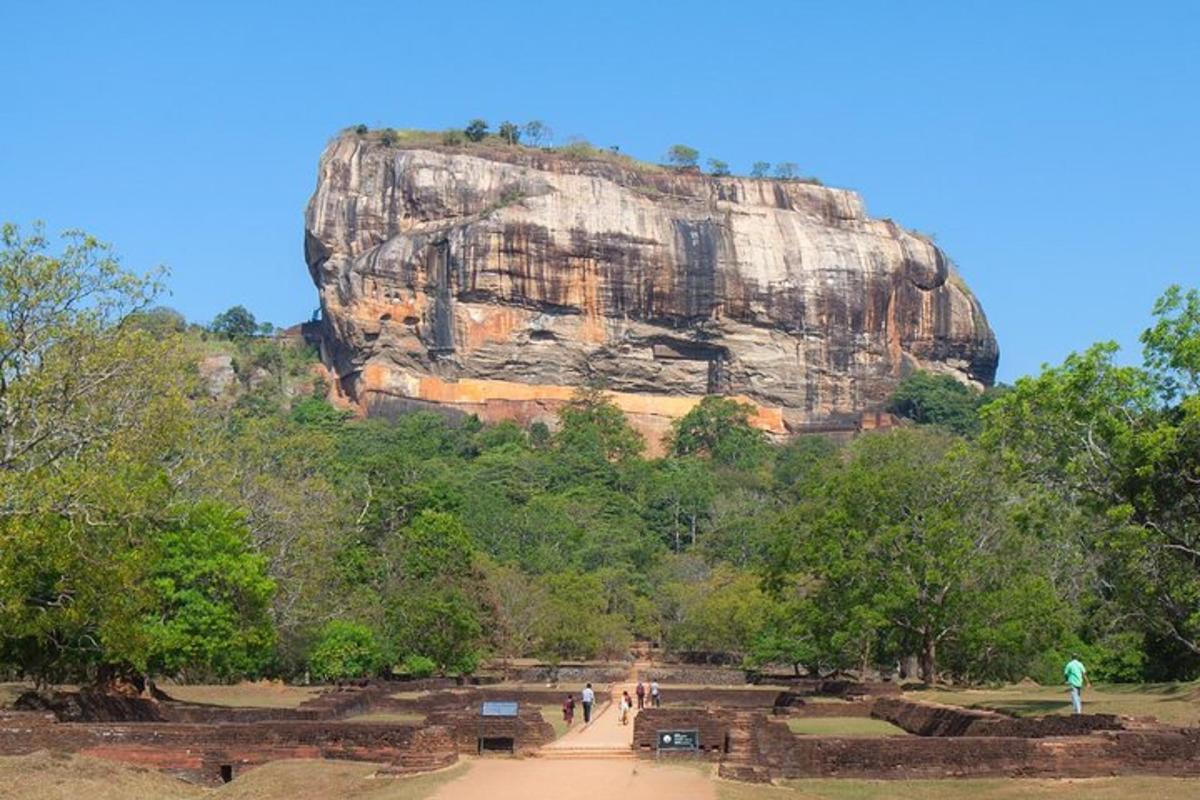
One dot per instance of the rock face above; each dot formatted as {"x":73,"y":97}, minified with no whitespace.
{"x":496,"y":280}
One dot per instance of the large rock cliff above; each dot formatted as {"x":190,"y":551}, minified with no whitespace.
{"x":496,"y":280}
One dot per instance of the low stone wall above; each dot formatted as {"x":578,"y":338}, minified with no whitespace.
{"x":528,"y":730}
{"x":718,"y":698}
{"x":573,"y":674}
{"x":200,"y":750}
{"x":91,"y":706}
{"x":720,"y":731}
{"x":839,"y":708}
{"x":696,"y":675}
{"x":471,"y":698}
{"x":930,"y":719}
{"x":1121,"y":753}
{"x":830,"y":687}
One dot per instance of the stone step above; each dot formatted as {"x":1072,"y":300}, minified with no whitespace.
{"x":605,"y":753}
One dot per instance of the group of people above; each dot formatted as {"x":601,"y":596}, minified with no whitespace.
{"x":587,"y":699}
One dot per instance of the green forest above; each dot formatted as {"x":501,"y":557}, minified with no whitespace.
{"x":150,"y":525}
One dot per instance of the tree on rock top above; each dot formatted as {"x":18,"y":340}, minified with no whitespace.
{"x":680,"y":155}
{"x":476,"y":130}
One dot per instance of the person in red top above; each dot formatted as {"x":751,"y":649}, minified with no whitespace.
{"x":641,"y":695}
{"x":569,"y":710}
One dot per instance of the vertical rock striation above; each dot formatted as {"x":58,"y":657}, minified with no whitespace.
{"x":496,"y":280}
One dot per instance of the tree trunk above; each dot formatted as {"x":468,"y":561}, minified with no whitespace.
{"x":928,"y":658}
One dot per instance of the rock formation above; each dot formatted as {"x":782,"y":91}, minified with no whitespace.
{"x":496,"y":280}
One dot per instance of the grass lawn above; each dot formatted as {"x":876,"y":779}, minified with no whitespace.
{"x":259,"y":694}
{"x":553,"y":715}
{"x":1173,"y":703}
{"x":955,"y":789}
{"x":399,"y":717}
{"x":843,"y":726}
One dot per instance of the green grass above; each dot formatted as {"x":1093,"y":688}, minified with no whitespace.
{"x":1172,"y":703}
{"x":1126,"y":788}
{"x":260,"y":694}
{"x":843,"y":726}
{"x":553,"y":715}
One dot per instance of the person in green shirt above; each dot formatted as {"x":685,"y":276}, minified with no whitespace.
{"x":1075,"y":675}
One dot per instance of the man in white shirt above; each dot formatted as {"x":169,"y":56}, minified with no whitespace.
{"x":655,"y":700}
{"x":589,"y":697}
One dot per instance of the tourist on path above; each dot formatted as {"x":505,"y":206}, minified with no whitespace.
{"x":569,"y":710}
{"x":641,"y":695}
{"x":626,"y":705}
{"x":1075,"y":674}
{"x":588,"y":697}
{"x":655,"y":697}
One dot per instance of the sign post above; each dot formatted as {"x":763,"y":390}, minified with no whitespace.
{"x":682,"y":741}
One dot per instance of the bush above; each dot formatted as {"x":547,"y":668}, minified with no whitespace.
{"x":453,"y":138}
{"x":510,"y":133}
{"x":680,"y":155}
{"x":418,"y":667}
{"x":476,"y":130}
{"x":345,"y":650}
{"x":361,"y":129}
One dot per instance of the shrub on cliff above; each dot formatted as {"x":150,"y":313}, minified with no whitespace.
{"x":345,"y":650}
{"x":680,"y":155}
{"x":476,"y":130}
{"x":510,"y":132}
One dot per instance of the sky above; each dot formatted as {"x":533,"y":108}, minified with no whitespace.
{"x":1050,"y":147}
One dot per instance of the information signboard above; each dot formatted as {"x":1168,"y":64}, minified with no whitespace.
{"x":679,"y":740}
{"x":498,"y":708}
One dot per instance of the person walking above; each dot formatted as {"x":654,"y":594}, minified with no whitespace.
{"x":655,"y":696}
{"x":1076,"y":677}
{"x":588,"y":697}
{"x":569,"y":710}
{"x":640,"y":691}
{"x":626,"y":705}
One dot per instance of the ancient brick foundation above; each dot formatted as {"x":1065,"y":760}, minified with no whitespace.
{"x":526,"y":732}
{"x":959,"y":743}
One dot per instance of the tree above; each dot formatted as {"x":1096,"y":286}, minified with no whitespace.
{"x":574,"y":622}
{"x":680,"y":155}
{"x":593,"y":426}
{"x":718,"y":167}
{"x":517,"y":604}
{"x":1123,"y":442}
{"x":929,"y":399}
{"x":93,"y":424}
{"x":759,"y":169}
{"x":211,"y":594}
{"x":345,"y":650}
{"x":719,"y":428}
{"x":234,"y":323}
{"x":510,"y":132}
{"x":912,"y":547}
{"x":537,"y":133}
{"x":787,"y":170}
{"x":476,"y":130}
{"x":160,"y":321}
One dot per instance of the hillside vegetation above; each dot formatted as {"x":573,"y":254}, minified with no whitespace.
{"x":149,"y":524}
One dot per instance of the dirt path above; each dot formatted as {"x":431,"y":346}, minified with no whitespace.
{"x":577,"y":779}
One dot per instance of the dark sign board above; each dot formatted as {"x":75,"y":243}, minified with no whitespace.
{"x":678,"y":740}
{"x":496,"y":708}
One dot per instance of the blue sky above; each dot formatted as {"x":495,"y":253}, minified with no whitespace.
{"x":1051,"y":147}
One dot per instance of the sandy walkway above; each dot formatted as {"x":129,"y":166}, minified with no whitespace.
{"x":605,"y":731}
{"x":577,"y":779}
